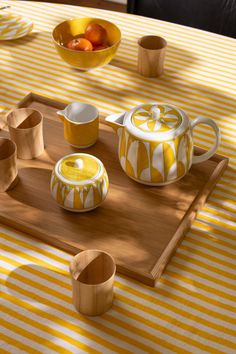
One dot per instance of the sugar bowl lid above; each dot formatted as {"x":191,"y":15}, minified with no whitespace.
{"x":79,"y":169}
{"x":157,"y":121}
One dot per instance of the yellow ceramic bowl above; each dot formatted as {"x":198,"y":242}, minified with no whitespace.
{"x":67,"y":30}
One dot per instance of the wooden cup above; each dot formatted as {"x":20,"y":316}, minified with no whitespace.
{"x":151,"y":55}
{"x":26,"y":130}
{"x":8,"y":169}
{"x":92,"y":273}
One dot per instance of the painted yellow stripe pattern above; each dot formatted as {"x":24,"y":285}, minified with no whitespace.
{"x":193,"y":307}
{"x":14,"y":26}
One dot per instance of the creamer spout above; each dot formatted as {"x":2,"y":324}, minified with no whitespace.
{"x":61,"y":113}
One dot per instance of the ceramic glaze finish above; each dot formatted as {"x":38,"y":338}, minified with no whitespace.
{"x":157,"y":118}
{"x":85,"y":60}
{"x":81,"y":123}
{"x":14,"y":26}
{"x":81,"y":191}
{"x":155,"y":162}
{"x":156,"y":142}
{"x":156,"y":122}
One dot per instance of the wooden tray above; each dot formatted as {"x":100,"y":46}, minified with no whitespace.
{"x":141,"y":226}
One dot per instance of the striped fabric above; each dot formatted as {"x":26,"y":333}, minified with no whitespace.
{"x":193,"y":307}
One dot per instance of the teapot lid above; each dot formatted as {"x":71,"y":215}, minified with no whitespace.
{"x":156,"y":121}
{"x":79,"y":169}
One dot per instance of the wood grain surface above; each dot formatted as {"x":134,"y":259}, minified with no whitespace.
{"x":92,"y":273}
{"x":140,"y":226}
{"x":151,"y":55}
{"x":25,"y":127}
{"x":8,"y":168}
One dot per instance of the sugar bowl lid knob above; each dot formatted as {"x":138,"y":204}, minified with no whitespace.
{"x":79,"y":163}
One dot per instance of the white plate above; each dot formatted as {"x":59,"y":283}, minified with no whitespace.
{"x":14,"y":26}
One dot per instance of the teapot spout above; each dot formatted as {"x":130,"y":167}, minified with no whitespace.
{"x":116,"y":121}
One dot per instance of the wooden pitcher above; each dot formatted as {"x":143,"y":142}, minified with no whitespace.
{"x":92,"y":273}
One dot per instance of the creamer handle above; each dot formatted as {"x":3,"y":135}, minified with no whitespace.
{"x":212,"y":124}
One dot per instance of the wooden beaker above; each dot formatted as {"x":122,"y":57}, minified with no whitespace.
{"x":151,"y":55}
{"x":26,"y":130}
{"x":8,"y":168}
{"x":92,"y":273}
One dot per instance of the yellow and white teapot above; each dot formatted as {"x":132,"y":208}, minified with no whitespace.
{"x":156,"y":142}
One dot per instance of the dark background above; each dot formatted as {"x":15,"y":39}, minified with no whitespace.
{"x":217,"y":16}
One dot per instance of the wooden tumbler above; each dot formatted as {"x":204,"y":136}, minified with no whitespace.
{"x":26,"y":130}
{"x":8,"y":169}
{"x":92,"y":274}
{"x":151,"y":55}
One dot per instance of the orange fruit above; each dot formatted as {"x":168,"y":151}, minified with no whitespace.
{"x":80,"y":44}
{"x":96,"y":34}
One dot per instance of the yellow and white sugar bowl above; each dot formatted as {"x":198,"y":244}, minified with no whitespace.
{"x":79,"y":182}
{"x":156,"y":142}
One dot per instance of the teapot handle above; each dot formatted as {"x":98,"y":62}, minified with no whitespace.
{"x":210,"y":153}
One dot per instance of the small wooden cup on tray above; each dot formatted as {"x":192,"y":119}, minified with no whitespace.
{"x":92,"y":274}
{"x":8,"y":169}
{"x":26,"y":130}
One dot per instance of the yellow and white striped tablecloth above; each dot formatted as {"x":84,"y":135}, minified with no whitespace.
{"x":192,"y":309}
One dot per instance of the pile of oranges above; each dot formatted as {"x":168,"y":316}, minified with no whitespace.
{"x":94,"y":38}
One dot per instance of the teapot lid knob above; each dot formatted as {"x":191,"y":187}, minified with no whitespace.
{"x":156,"y":113}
